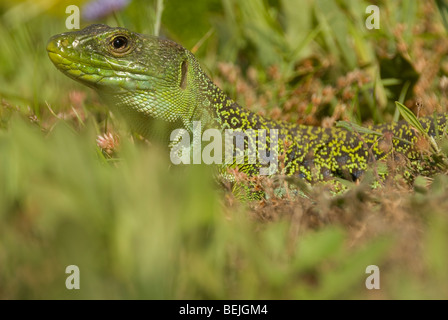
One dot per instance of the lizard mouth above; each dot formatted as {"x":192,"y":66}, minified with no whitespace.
{"x":59,"y":53}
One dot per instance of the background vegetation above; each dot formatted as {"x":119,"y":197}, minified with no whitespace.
{"x":110,"y":203}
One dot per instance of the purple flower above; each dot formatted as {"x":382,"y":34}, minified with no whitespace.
{"x":98,"y":9}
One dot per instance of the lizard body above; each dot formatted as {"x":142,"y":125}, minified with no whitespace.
{"x":159,"y":86}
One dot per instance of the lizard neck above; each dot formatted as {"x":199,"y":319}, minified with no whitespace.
{"x":219,"y":111}
{"x":140,"y":113}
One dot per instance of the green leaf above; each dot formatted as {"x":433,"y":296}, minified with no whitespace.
{"x":353,"y":127}
{"x":410,"y":118}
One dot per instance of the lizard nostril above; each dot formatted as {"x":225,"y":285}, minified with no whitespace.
{"x":63,"y":43}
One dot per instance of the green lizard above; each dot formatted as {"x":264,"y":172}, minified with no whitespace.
{"x":158,"y":86}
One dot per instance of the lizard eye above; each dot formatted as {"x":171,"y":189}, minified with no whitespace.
{"x":119,"y":44}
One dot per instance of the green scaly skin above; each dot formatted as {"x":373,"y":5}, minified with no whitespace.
{"x":159,"y":86}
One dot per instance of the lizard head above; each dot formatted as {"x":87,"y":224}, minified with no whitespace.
{"x":114,"y":59}
{"x":153,"y":76}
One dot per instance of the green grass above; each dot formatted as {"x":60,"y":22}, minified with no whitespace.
{"x":138,"y":228}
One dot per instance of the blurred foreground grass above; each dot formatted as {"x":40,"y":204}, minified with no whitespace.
{"x":137,"y":228}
